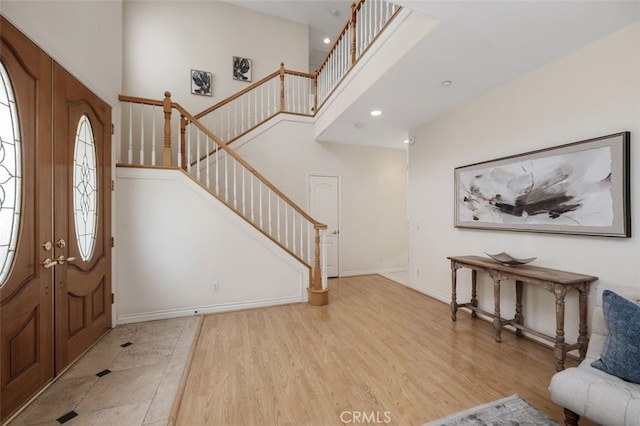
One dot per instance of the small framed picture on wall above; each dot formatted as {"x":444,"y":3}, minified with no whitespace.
{"x":241,"y":69}
{"x":201,"y":83}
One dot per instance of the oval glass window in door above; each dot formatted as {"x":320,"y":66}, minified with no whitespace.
{"x":10,"y":175}
{"x":85,"y":188}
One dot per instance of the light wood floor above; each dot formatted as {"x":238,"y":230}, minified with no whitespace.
{"x":378,"y":347}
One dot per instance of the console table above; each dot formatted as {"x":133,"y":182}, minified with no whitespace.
{"x":553,"y":280}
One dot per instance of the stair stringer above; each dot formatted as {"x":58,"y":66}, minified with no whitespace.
{"x":175,"y":241}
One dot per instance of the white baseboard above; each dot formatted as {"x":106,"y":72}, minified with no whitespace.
{"x":438,"y":296}
{"x":373,"y":271}
{"x":203,"y":310}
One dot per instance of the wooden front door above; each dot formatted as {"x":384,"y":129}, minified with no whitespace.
{"x":82,"y":219}
{"x":26,"y":294}
{"x":55,"y":276}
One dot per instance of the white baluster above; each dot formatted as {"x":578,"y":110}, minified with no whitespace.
{"x":217,"y":160}
{"x":244,"y":199}
{"x":301,"y":237}
{"x":227,"y":111}
{"x":260,"y":205}
{"x":253,"y":220}
{"x":207,"y":160}
{"x":188,"y":148}
{"x":226,"y":178}
{"x":293,"y":230}
{"x":262,"y":105}
{"x":153,"y":135}
{"x":278,"y":217}
{"x":235,"y":185}
{"x":198,"y":155}
{"x":142,"y":107}
{"x":269,"y":206}
{"x":286,"y":227}
{"x":130,"y":150}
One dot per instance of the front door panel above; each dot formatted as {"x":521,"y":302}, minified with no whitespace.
{"x":26,"y":297}
{"x":82,"y":217}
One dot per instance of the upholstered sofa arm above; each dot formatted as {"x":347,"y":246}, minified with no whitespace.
{"x":592,"y":393}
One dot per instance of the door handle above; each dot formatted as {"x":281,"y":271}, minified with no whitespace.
{"x":49,"y":263}
{"x":336,"y":232}
{"x":61,"y":259}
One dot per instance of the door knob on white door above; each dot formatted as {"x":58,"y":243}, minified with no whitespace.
{"x":336,"y":232}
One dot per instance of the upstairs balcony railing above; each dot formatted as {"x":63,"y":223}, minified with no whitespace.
{"x":300,"y":93}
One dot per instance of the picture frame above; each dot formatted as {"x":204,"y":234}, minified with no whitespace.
{"x":201,"y":83}
{"x":581,"y":188}
{"x":242,"y":68}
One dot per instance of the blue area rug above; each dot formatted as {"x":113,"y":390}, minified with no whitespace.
{"x":511,"y":410}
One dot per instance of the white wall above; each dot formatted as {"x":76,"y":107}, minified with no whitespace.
{"x":164,"y":40}
{"x":373,"y":217}
{"x":175,"y":240}
{"x":593,"y":92}
{"x":85,"y":37}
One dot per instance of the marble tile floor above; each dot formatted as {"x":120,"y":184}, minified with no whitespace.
{"x":129,"y":378}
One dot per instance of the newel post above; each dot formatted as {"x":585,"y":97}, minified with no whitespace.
{"x":318,"y":296}
{"x":282,"y":86}
{"x":315,"y":91}
{"x":352,"y":50}
{"x":166,"y":152}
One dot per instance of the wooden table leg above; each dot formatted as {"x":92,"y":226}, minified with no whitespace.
{"x":454,"y":305}
{"x":559,"y":348}
{"x":474,"y":291}
{"x":583,"y":338}
{"x":497,"y":320}
{"x":519,"y":317}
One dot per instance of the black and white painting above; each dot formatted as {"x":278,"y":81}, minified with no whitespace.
{"x":241,"y":69}
{"x":201,"y":83}
{"x":579,"y":188}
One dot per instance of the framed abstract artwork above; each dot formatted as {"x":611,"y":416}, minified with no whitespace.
{"x":241,"y":69}
{"x":578,"y":188}
{"x":201,"y":83}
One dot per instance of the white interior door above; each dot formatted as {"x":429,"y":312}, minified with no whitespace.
{"x":324,"y":207}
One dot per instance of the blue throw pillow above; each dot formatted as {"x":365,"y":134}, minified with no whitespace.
{"x":621,"y":353}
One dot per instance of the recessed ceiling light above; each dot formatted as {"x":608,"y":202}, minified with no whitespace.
{"x":447,"y":83}
{"x":326,"y":40}
{"x":376,"y":113}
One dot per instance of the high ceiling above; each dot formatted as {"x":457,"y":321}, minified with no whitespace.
{"x":478,"y":45}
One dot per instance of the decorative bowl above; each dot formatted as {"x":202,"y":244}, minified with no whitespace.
{"x":508,"y":260}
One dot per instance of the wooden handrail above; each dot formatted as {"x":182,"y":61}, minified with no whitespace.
{"x":299,"y":74}
{"x":136,"y":100}
{"x":237,"y":95}
{"x":193,"y":120}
